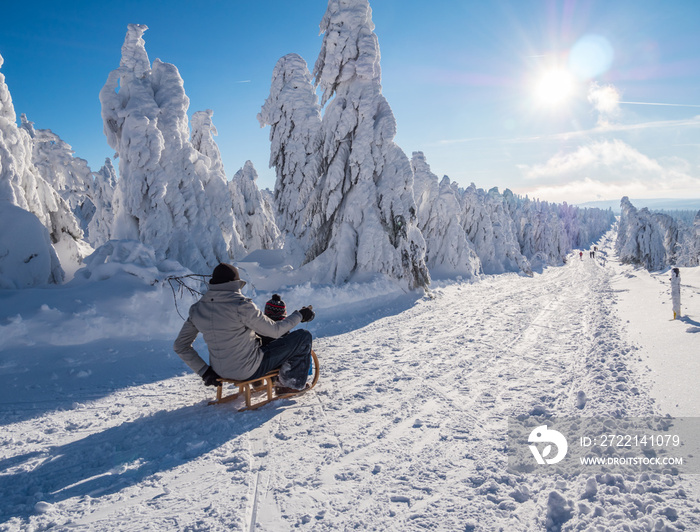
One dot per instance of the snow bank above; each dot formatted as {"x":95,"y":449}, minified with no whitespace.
{"x":667,"y":349}
{"x":27,"y":257}
{"x":120,"y":292}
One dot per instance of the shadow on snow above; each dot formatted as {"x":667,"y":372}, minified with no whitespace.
{"x":109,"y":461}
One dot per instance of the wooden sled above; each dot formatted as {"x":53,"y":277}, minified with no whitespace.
{"x":252,"y":390}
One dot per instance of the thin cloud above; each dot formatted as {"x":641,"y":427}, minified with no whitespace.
{"x":663,"y":104}
{"x":606,"y":100}
{"x":612,"y":159}
{"x":589,"y":189}
{"x":609,"y":128}
{"x":591,"y":132}
{"x":464,"y":140}
{"x":605,"y":169}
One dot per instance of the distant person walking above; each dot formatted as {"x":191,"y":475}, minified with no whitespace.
{"x":676,"y":292}
{"x":580,"y":254}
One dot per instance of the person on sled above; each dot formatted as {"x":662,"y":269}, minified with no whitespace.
{"x":232,"y":325}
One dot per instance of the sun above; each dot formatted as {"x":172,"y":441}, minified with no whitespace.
{"x":554,"y":87}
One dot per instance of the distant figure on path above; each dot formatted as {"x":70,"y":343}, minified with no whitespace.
{"x":676,"y":292}
{"x":580,"y":254}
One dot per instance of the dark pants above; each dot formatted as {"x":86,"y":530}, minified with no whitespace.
{"x":291,"y":354}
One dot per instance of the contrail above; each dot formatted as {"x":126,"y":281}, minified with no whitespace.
{"x":665,"y":104}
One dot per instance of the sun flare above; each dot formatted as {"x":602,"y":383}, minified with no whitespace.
{"x":554,"y":88}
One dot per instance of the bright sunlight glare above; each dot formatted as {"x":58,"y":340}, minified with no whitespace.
{"x":554,"y":87}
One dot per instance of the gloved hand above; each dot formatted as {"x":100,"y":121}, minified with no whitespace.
{"x":210,"y":377}
{"x":306,"y":314}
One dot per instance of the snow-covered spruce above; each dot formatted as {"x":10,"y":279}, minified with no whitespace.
{"x":363,"y":212}
{"x":547,"y":232}
{"x":448,"y":251}
{"x":654,"y":240}
{"x":255,"y":220}
{"x":101,"y":193}
{"x":539,"y":230}
{"x":694,"y":247}
{"x":294,"y":116}
{"x":160,"y":197}
{"x":687,"y":251}
{"x":214,"y":180}
{"x":491,"y":230}
{"x":21,"y":184}
{"x":70,"y":176}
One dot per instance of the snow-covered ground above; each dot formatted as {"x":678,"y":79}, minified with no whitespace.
{"x":104,"y":427}
{"x":669,"y":349}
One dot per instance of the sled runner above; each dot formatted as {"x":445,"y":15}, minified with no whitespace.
{"x":252,"y":390}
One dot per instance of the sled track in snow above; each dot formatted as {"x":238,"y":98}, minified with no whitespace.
{"x":418,"y":401}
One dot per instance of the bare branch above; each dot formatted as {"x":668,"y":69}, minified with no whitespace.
{"x":179,"y":286}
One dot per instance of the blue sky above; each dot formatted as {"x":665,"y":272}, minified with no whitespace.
{"x":558,"y":100}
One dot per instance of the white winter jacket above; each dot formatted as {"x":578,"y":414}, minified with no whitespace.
{"x":230,"y":324}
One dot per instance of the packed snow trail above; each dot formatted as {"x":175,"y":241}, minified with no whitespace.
{"x":406,"y":430}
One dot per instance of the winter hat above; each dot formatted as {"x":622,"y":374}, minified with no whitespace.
{"x":224,"y":273}
{"x":275,"y":309}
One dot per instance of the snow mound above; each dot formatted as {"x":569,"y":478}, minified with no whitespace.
{"x":27,"y":257}
{"x":127,"y":257}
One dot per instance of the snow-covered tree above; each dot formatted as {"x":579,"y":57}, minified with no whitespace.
{"x":547,"y":232}
{"x":540,"y":230}
{"x":491,"y":230}
{"x":294,"y":116}
{"x":70,"y":176}
{"x":363,"y":212}
{"x":21,"y":183}
{"x":656,"y":240}
{"x":640,"y":239}
{"x":214,"y":179}
{"x":160,"y":197}
{"x":255,"y":219}
{"x":101,"y":194}
{"x":448,"y":251}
